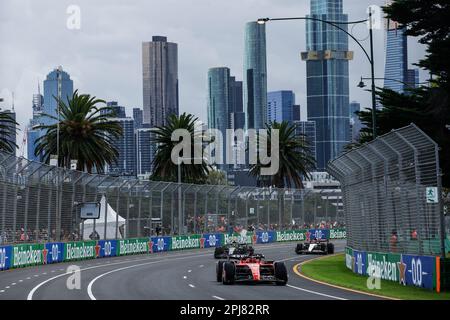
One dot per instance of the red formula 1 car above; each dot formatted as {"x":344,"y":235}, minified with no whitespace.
{"x":252,"y":268}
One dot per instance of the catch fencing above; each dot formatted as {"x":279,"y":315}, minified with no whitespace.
{"x":392,"y":194}
{"x":41,"y":203}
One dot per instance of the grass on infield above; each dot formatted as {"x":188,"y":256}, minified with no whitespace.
{"x":332,"y":270}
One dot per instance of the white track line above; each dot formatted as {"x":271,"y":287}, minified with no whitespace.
{"x":316,"y":293}
{"x":32,"y":291}
{"x":89,"y":288}
{"x":191,"y":285}
{"x":218,"y":298}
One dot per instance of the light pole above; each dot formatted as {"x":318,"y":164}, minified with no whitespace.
{"x":58,"y":204}
{"x":361,"y":84}
{"x":370,"y":57}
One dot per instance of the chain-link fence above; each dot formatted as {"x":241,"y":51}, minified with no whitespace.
{"x":392,"y":194}
{"x":41,"y":203}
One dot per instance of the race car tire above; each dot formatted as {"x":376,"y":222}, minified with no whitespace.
{"x":324,"y":248}
{"x":330,"y":248}
{"x":280,"y":273}
{"x":219,"y":270}
{"x":299,"y":248}
{"x":229,"y":271}
{"x":218,"y":252}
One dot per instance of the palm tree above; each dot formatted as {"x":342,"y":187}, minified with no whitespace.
{"x":7,"y":132}
{"x":295,"y":158}
{"x":163,"y":167}
{"x":87,"y":134}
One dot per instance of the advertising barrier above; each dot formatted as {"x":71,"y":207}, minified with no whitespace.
{"x":211,"y":240}
{"x":53,"y":252}
{"x":408,"y":270}
{"x":160,"y":244}
{"x":80,"y":250}
{"x":133,"y":246}
{"x":23,"y":255}
{"x":5,"y":257}
{"x":106,"y":248}
{"x":186,"y":242}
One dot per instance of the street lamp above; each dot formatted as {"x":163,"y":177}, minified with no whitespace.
{"x":362,"y":85}
{"x":370,"y":57}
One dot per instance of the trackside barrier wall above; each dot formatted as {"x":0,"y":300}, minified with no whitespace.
{"x":405,"y":269}
{"x":24,"y":255}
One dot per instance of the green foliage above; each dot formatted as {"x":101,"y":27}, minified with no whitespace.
{"x":163,"y":167}
{"x":428,"y":107}
{"x":7,"y":132}
{"x":295,"y":158}
{"x":86,"y":135}
{"x":217,"y":178}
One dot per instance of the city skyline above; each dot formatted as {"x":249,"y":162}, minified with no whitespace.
{"x":199,"y":49}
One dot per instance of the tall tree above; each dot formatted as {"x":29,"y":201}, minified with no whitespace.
{"x":163,"y":167}
{"x":295,"y":158}
{"x":428,"y":106}
{"x":7,"y":132}
{"x":86,"y":134}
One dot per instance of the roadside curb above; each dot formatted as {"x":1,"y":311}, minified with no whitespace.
{"x":296,"y":270}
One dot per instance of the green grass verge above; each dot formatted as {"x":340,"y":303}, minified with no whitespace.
{"x":333,"y":270}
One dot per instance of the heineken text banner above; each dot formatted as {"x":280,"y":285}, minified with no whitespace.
{"x":186,"y":242}
{"x":133,"y":246}
{"x":5,"y":257}
{"x":80,"y":250}
{"x":24,"y":255}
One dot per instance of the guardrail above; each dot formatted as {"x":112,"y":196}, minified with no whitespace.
{"x":24,"y":255}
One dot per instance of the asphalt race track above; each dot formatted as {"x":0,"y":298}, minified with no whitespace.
{"x":182,"y":275}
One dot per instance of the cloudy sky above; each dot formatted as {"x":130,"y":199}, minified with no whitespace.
{"x":103,"y":57}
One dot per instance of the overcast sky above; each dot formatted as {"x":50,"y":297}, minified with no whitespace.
{"x":103,"y":57}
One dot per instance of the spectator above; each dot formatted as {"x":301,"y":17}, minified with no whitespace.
{"x":414,"y":234}
{"x":394,"y":241}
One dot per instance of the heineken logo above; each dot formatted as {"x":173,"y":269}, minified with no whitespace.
{"x":44,"y":255}
{"x":160,"y":244}
{"x":107,"y":249}
{"x":382,"y":268}
{"x":28,"y":255}
{"x":54,"y":252}
{"x":3,"y":258}
{"x":348,"y":261}
{"x":308,"y":236}
{"x":77,"y":251}
{"x":185,"y":243}
{"x":129,"y":247}
{"x":338,"y":234}
{"x":212,"y":240}
{"x":265,"y":237}
{"x":359,"y":263}
{"x":239,"y":239}
{"x":290,"y":236}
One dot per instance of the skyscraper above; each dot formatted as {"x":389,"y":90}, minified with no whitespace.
{"x":280,"y":106}
{"x":137,"y":116}
{"x":355,"y":123}
{"x":145,"y":151}
{"x":413,"y":78}
{"x":224,"y":103}
{"x":160,"y":80}
{"x":126,"y":161}
{"x":327,"y":59}
{"x":58,"y":82}
{"x":119,"y":111}
{"x":255,"y":76}
{"x":307,"y":129}
{"x":396,"y":67}
{"x":32,"y":134}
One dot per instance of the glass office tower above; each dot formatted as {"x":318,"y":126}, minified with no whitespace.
{"x":255,"y":76}
{"x":56,"y":80}
{"x":280,"y":106}
{"x":327,"y":59}
{"x":160,"y":80}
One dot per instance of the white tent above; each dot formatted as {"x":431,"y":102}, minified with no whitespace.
{"x":111,"y":223}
